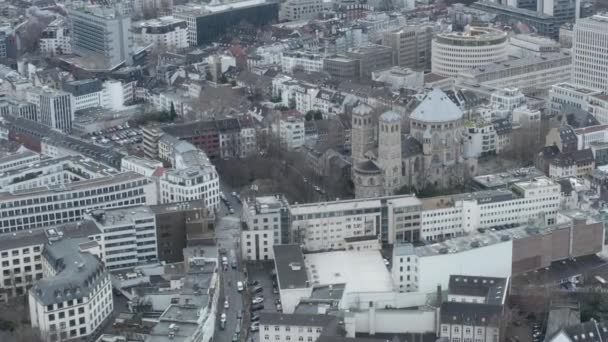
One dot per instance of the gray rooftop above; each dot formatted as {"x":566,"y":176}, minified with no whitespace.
{"x":33,"y":237}
{"x":276,"y":318}
{"x":290,"y":267}
{"x":504,"y":179}
{"x":78,"y":273}
{"x":493,"y":289}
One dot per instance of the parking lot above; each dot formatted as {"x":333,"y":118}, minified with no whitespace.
{"x":261,"y":272}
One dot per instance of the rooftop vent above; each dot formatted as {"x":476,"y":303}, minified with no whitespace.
{"x":295,"y":266}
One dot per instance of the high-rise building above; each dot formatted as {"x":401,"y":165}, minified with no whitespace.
{"x":411,"y":46}
{"x":102,"y":35}
{"x":589,"y":44}
{"x":55,"y":108}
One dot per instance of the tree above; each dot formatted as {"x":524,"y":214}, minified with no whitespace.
{"x":172,"y":113}
{"x":314,"y":114}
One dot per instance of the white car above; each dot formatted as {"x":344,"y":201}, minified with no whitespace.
{"x":223,"y":318}
{"x":239,"y":286}
{"x":226,"y":304}
{"x":257,"y":300}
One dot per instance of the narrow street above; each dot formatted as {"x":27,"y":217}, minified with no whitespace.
{"x":227,"y":235}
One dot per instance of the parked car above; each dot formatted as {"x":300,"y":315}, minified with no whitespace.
{"x":226,"y":304}
{"x":239,"y":315}
{"x":253,"y":283}
{"x":257,"y":289}
{"x":235,"y":338}
{"x":275,"y":290}
{"x":257,"y":307}
{"x":239,"y":286}
{"x":255,"y":326}
{"x":279,"y":308}
{"x":233,"y":264}
{"x":257,"y":300}
{"x":255,"y":318}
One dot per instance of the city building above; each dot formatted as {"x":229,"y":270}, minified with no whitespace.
{"x":143,"y":166}
{"x":74,"y":297}
{"x":165,"y":33}
{"x":292,"y":276}
{"x":18,"y":159}
{"x":179,"y":223}
{"x":341,"y":67}
{"x":307,"y":62}
{"x":192,"y":183}
{"x":590,"y":63}
{"x":22,"y":255}
{"x":291,"y":132}
{"x":296,"y":327}
{"x":102,"y":35}
{"x":545,"y":24}
{"x":598,"y":107}
{"x":411,"y":46}
{"x":55,"y":108}
{"x":265,"y":223}
{"x":572,"y":333}
{"x":295,"y":10}
{"x":531,"y":75}
{"x":528,"y":45}
{"x":206,"y":23}
{"x":55,"y":38}
{"x":86,"y":93}
{"x":473,"y":48}
{"x":371,"y":58}
{"x":51,"y":205}
{"x":569,"y":95}
{"x":129,"y":236}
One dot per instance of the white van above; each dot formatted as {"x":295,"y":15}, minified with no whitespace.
{"x":239,"y":286}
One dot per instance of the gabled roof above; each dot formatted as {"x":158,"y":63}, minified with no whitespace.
{"x":436,"y":107}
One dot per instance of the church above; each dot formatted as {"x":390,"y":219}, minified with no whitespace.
{"x":384,"y":159}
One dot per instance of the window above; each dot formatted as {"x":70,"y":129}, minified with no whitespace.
{"x":51,"y":317}
{"x":81,"y":310}
{"x":266,"y":337}
{"x":61,"y":315}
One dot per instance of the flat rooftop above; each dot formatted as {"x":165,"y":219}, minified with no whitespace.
{"x":513,"y":64}
{"x":347,"y":267}
{"x":290,"y":267}
{"x":39,"y":236}
{"x":505,"y":179}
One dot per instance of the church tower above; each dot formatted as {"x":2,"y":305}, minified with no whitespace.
{"x":389,"y":150}
{"x":362,"y":132}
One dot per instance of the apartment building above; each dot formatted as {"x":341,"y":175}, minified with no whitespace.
{"x":266,"y":223}
{"x":129,"y":236}
{"x":21,"y":255}
{"x":55,"y":39}
{"x":74,"y":297}
{"x":40,"y":207}
{"x":294,"y":10}
{"x":86,"y":93}
{"x":295,"y":327}
{"x":307,"y":62}
{"x":189,"y":184}
{"x":292,"y":132}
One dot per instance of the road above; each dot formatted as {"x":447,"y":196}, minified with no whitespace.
{"x":227,"y":236}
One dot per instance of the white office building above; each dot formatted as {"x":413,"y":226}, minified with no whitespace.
{"x":504,"y":101}
{"x":143,"y":166}
{"x":129,"y":236}
{"x":55,"y":108}
{"x":165,"y":33}
{"x":189,"y":184}
{"x":266,"y":222}
{"x":19,"y":159}
{"x":598,"y":107}
{"x":294,"y":10}
{"x":590,"y":61}
{"x":292,"y":133}
{"x":74,"y":298}
{"x":51,"y":205}
{"x":475,"y":47}
{"x":55,"y":39}
{"x":568,"y":94}
{"x":301,"y":61}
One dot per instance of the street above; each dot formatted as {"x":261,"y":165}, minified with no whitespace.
{"x":227,"y":235}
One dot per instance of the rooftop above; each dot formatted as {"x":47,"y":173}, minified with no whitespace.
{"x":40,"y":236}
{"x":494,"y":290}
{"x":436,"y":107}
{"x":346,"y":267}
{"x":514,"y":64}
{"x":504,"y":179}
{"x":290,"y":267}
{"x":268,"y":318}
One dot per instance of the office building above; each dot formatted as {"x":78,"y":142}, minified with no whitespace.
{"x":307,"y":62}
{"x":143,"y":166}
{"x":371,"y":58}
{"x":206,"y":23}
{"x":295,"y":10}
{"x":473,"y":48}
{"x":74,"y":298}
{"x":545,"y":25}
{"x":178,"y":224}
{"x":598,"y":107}
{"x":189,"y":184}
{"x":531,"y":75}
{"x":265,"y":223}
{"x":102,"y":35}
{"x":18,"y":159}
{"x":51,"y":205}
{"x":296,"y":327}
{"x":590,"y":61}
{"x":165,"y":33}
{"x":55,"y":108}
{"x":21,"y":255}
{"x":86,"y":93}
{"x":411,"y":46}
{"x":563,"y":95}
{"x":341,"y":67}
{"x":129,"y":236}
{"x":528,"y":45}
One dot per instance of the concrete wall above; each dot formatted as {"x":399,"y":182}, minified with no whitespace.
{"x":490,"y":261}
{"x":395,"y":321}
{"x":360,"y":300}
{"x":587,"y":239}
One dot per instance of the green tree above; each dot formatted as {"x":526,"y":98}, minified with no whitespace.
{"x":172,"y":113}
{"x":308,"y":116}
{"x":318,"y":115}
{"x":314,"y":115}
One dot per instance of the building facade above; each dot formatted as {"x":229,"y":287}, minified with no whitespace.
{"x":411,"y":46}
{"x":590,"y":62}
